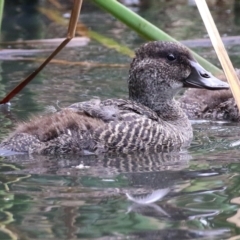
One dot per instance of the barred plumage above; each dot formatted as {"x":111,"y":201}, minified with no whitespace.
{"x":151,"y":120}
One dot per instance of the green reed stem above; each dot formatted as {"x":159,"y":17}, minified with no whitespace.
{"x":1,"y":12}
{"x":145,"y":28}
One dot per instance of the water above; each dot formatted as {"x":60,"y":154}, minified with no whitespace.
{"x":72,"y":197}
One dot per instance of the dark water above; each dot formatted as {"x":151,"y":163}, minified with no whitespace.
{"x":75,"y":197}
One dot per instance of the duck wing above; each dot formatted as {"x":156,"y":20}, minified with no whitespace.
{"x":94,"y":126}
{"x":96,"y":109}
{"x":113,"y":109}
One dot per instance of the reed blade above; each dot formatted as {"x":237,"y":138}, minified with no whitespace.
{"x":1,"y":12}
{"x":220,"y":50}
{"x":71,"y":33}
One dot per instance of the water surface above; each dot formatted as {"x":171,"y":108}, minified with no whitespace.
{"x":72,"y":197}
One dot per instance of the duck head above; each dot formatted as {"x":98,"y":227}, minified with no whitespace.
{"x":160,"y":69}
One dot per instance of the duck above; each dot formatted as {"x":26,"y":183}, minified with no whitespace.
{"x":149,"y":120}
{"x":208,"y":105}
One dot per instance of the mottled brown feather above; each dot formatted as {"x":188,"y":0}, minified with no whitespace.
{"x":150,"y":120}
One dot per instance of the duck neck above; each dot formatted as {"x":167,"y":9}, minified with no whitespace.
{"x":166,"y":107}
{"x":169,"y":110}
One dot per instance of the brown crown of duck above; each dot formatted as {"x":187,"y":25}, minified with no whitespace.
{"x":150,"y":119}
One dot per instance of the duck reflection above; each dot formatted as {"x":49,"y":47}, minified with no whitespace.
{"x":95,"y":190}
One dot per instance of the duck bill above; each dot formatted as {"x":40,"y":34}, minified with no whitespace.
{"x":200,"y":78}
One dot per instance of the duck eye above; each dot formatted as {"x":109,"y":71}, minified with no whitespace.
{"x":171,"y":57}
